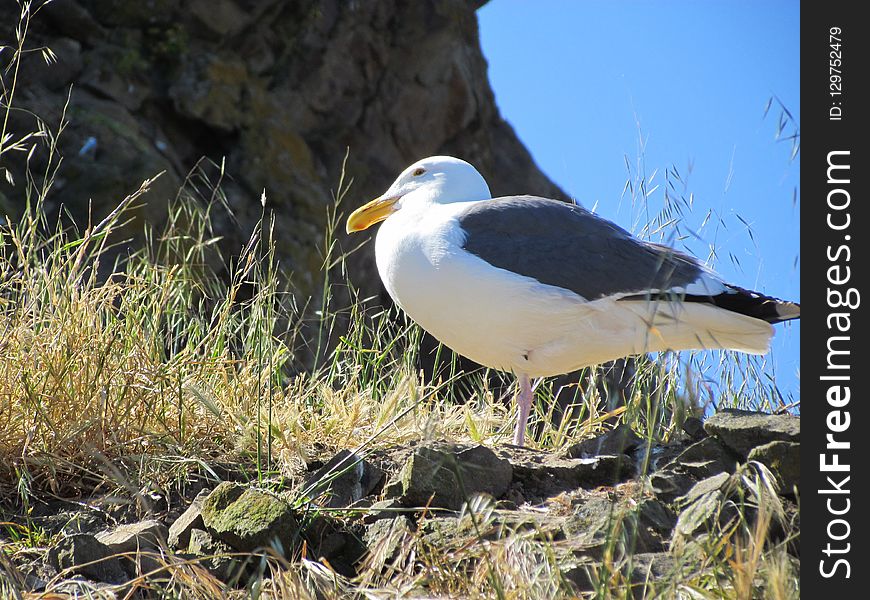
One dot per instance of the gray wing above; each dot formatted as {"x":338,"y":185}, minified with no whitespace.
{"x":567,"y":246}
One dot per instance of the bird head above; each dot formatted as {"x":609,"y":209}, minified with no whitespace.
{"x":437,"y":179}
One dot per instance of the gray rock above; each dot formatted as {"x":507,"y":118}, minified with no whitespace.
{"x":446,"y":475}
{"x":343,"y":480}
{"x":134,"y":537}
{"x":73,"y":20}
{"x":698,"y":461}
{"x":393,"y":487}
{"x":651,"y":567}
{"x":201,"y":542}
{"x":57,"y":75}
{"x":105,"y":76}
{"x":542,"y":474}
{"x":84,"y":554}
{"x":248,"y":518}
{"x":219,"y":17}
{"x":389,"y":508}
{"x":139,"y":544}
{"x":383,"y":539}
{"x":653,"y":527}
{"x":743,"y":430}
{"x":702,"y":507}
{"x":588,"y":530}
{"x":704,"y":487}
{"x":784,"y":459}
{"x":66,"y":519}
{"x":620,"y":440}
{"x":179,"y":531}
{"x":219,"y":561}
{"x":671,"y":483}
{"x":583,"y":531}
{"x":642,"y":570}
{"x":699,"y":515}
{"x":335,"y":542}
{"x":209,"y":88}
{"x":694,"y":428}
{"x":705,"y":458}
{"x":581,"y":572}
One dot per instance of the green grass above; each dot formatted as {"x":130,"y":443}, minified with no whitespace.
{"x":135,"y":376}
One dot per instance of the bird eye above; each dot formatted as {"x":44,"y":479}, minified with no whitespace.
{"x":419,"y":171}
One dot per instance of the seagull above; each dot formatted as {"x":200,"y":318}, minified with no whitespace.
{"x":539,"y":287}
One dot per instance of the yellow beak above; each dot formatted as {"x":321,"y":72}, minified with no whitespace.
{"x":370,"y":213}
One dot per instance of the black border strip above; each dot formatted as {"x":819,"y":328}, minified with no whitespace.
{"x":835,"y":260}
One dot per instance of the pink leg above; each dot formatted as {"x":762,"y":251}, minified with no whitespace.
{"x":524,"y":406}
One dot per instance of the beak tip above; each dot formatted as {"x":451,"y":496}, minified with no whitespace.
{"x":367,"y":215}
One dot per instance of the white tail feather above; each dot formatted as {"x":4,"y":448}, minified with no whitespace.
{"x":697,"y":326}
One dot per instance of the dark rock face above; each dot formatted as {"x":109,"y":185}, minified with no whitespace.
{"x":784,"y":459}
{"x":281,"y":90}
{"x":448,"y":475}
{"x":83,"y":554}
{"x":139,"y":544}
{"x":541,"y":474}
{"x":619,"y":440}
{"x":220,"y":562}
{"x":700,"y":460}
{"x":343,"y":480}
{"x":180,"y":530}
{"x":743,"y":430}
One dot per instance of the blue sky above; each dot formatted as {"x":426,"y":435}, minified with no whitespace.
{"x":583,"y":82}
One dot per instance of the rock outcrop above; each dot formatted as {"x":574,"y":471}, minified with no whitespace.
{"x":587,"y":512}
{"x":277,"y":92}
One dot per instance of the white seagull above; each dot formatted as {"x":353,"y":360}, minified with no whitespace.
{"x":540,"y":287}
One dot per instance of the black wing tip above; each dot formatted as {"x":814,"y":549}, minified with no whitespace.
{"x":753,"y":304}
{"x":737,"y":300}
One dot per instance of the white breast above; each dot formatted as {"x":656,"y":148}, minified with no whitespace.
{"x":497,"y":318}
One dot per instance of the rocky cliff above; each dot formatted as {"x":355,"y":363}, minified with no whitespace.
{"x":276,"y":91}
